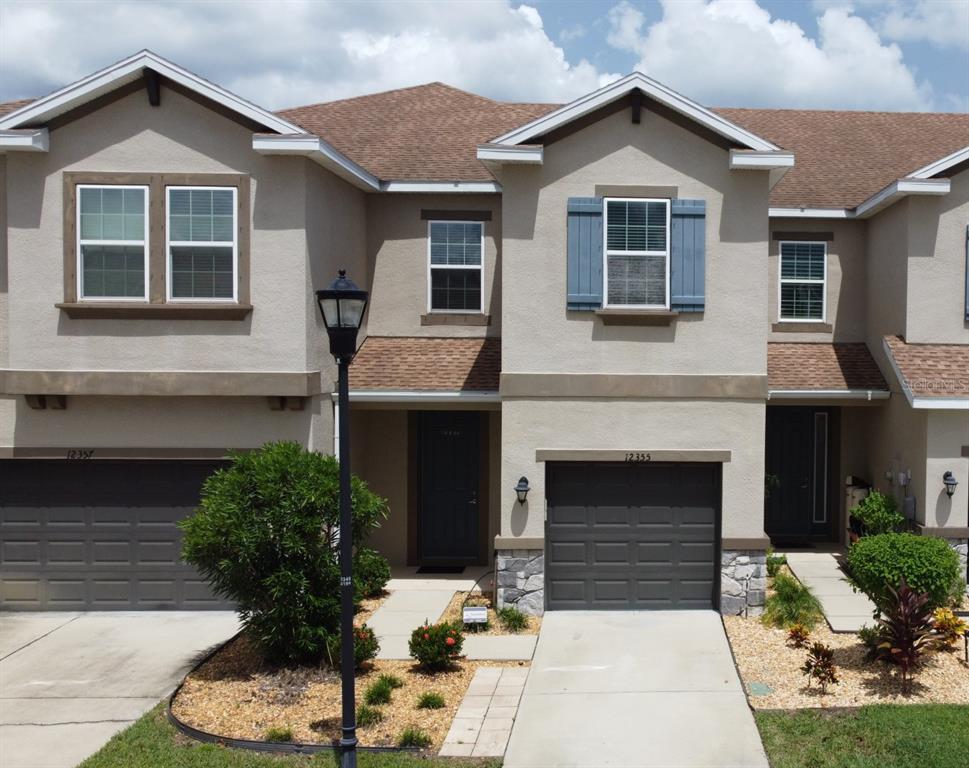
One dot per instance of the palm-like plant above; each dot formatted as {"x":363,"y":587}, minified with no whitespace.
{"x":906,"y":629}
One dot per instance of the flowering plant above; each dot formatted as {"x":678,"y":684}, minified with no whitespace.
{"x":436,"y":645}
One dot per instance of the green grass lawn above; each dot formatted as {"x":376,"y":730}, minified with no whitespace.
{"x":880,"y":736}
{"x":153,"y":743}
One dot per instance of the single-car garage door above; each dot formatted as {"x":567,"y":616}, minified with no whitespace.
{"x":631,"y":536}
{"x":98,"y":535}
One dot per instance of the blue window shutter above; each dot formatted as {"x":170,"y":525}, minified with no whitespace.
{"x":584,"y":285}
{"x":688,"y":224}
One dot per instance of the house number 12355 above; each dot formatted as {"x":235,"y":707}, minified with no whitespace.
{"x":80,"y":453}
{"x":637,"y":458}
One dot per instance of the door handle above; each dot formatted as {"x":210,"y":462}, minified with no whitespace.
{"x":474,"y":498}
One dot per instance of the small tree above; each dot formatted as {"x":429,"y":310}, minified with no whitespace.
{"x":906,"y":630}
{"x":264,"y":536}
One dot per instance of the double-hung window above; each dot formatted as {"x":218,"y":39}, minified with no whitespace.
{"x":803,"y":272}
{"x":455,"y":266}
{"x":112,"y":242}
{"x":202,"y":243}
{"x":637,"y":253}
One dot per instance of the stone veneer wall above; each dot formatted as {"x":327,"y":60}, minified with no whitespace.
{"x":961,"y":546}
{"x":743,"y":582}
{"x":520,"y":579}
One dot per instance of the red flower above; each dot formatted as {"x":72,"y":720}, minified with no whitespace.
{"x":450,"y":641}
{"x":427,"y":636}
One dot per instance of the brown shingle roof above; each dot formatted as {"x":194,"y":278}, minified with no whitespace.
{"x":932,"y":370}
{"x":7,"y":107}
{"x":809,"y":366}
{"x":418,"y":363}
{"x":843,"y":158}
{"x":426,"y":133}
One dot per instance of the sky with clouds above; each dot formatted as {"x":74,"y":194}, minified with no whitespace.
{"x":840,"y":54}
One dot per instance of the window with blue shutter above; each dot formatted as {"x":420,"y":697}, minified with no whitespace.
{"x":688,"y":224}
{"x":584,"y":282}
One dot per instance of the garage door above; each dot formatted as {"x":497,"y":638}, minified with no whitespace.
{"x":631,"y":536}
{"x":98,"y":535}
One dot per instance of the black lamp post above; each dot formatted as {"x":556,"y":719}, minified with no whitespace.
{"x":342,"y":306}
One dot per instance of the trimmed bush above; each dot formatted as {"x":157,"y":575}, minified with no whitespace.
{"x":378,"y":692}
{"x":435,"y":646}
{"x":878,"y":513}
{"x":512,"y":619}
{"x":413,"y":737}
{"x":264,"y":538}
{"x":367,"y":715}
{"x":430,"y":700}
{"x":371,"y":572}
{"x":791,"y":603}
{"x":877,"y":565}
{"x":365,"y":647}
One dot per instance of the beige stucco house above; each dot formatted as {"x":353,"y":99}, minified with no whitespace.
{"x":643,"y":312}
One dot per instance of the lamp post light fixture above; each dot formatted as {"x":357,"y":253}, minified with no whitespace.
{"x":950,"y":483}
{"x":522,"y":489}
{"x":342,"y":306}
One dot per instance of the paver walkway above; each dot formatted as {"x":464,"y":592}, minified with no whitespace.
{"x":648,"y":689}
{"x":845,"y":609}
{"x":484,"y":720}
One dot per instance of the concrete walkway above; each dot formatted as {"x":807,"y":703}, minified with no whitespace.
{"x":483,"y":722}
{"x":651,"y":689}
{"x":845,"y":609}
{"x":70,"y":681}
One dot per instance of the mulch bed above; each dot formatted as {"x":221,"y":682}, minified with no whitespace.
{"x":235,"y":694}
{"x":453,"y":614}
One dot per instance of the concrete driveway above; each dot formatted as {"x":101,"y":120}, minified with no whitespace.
{"x":646,"y":689}
{"x":70,"y":681}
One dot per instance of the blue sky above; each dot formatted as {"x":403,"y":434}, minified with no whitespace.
{"x":838,"y":54}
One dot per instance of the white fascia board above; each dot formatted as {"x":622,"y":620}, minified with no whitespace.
{"x":29,"y":140}
{"x":316,"y":149}
{"x":422,"y":396}
{"x":511,"y":154}
{"x":810,"y":213}
{"x":616,"y":90}
{"x":941,"y":165}
{"x":128,"y":70}
{"x":464,"y":187}
{"x":760,"y":161}
{"x":941,"y":403}
{"x":899,"y":189}
{"x":828,"y":394}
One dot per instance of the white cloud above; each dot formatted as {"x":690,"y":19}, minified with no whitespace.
{"x":575,"y":32}
{"x":731,"y":52}
{"x":299,"y":51}
{"x":943,"y":23}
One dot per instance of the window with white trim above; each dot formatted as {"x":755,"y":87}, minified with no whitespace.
{"x":112,"y":247}
{"x":202,"y":243}
{"x":455,"y":266}
{"x":803,"y":274}
{"x":637,"y":252}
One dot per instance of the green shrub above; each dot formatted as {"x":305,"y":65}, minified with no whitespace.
{"x":278,"y":734}
{"x":413,"y":737}
{"x":877,"y":564}
{"x":378,"y":692}
{"x":365,"y":647}
{"x":774,"y":563}
{"x":871,"y":638}
{"x":430,"y":700}
{"x":392,"y":680}
{"x":371,"y":572}
{"x":878,"y":514}
{"x":512,"y":619}
{"x":906,"y":630}
{"x":263,"y":536}
{"x":791,"y":603}
{"x":367,"y":715}
{"x":436,"y":645}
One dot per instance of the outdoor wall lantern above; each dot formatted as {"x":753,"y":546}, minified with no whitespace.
{"x":950,"y":483}
{"x":342,"y":306}
{"x":522,"y":489}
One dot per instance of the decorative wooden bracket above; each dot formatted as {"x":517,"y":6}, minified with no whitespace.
{"x":152,"y":86}
{"x":43,"y":402}
{"x":636,"y":97}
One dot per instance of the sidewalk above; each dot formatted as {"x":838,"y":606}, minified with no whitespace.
{"x":845,"y":609}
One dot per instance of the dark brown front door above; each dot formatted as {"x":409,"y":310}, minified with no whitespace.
{"x":449,"y":498}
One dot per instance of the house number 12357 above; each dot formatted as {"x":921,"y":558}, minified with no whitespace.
{"x":80,"y":453}
{"x":637,"y":458}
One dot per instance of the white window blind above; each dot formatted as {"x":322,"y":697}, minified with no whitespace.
{"x":202,"y":243}
{"x":456,"y":263}
{"x":637,"y":253}
{"x":112,"y":242}
{"x":803,"y":272}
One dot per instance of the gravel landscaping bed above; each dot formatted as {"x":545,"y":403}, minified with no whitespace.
{"x":453,"y":614}
{"x":765,"y":659}
{"x":235,"y":694}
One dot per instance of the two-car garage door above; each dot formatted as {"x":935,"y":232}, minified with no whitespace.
{"x":101,"y":535}
{"x":631,"y":536}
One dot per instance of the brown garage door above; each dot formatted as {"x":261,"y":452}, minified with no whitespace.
{"x":98,"y":535}
{"x":631,"y":536}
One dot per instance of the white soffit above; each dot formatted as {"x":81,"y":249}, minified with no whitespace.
{"x":313,"y":147}
{"x":496,"y":153}
{"x":28,"y":140}
{"x":620,"y":88}
{"x":941,"y":165}
{"x":877,"y":202}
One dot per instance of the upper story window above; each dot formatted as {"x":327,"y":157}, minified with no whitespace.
{"x":112,"y":242}
{"x":456,"y":266}
{"x":637,"y":253}
{"x":803,"y":273}
{"x":202,"y":258}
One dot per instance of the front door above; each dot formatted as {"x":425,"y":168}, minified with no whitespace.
{"x":448,"y":521}
{"x":796,"y":489}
